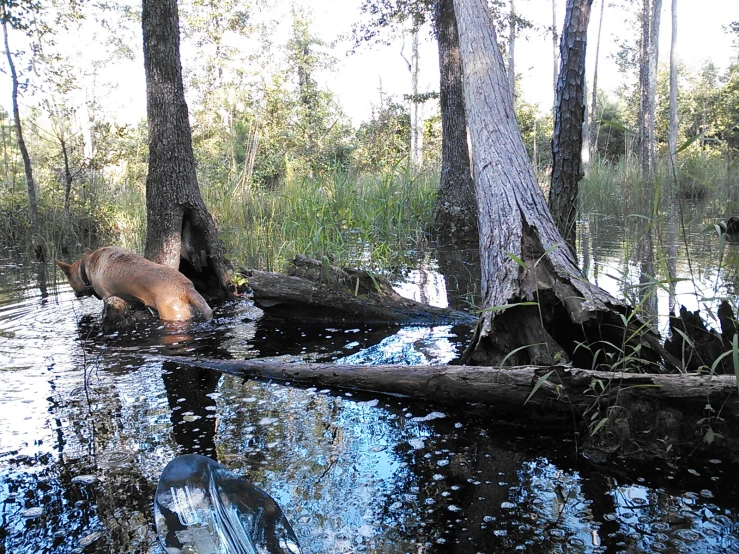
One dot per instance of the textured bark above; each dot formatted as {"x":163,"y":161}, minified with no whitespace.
{"x":512,"y":50}
{"x":416,"y":121}
{"x":648,"y":82}
{"x":555,"y":51}
{"x":456,"y":211}
{"x":569,"y":114}
{"x":517,"y":229}
{"x":314,"y":291}
{"x":672,"y":139}
{"x":180,"y":232}
{"x":27,"y":168}
{"x":503,"y":391}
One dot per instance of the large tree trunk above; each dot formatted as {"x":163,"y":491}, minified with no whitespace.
{"x":569,"y":114}
{"x":512,"y":50}
{"x":180,"y":232}
{"x":523,"y":256}
{"x":456,"y":210}
{"x":30,"y":182}
{"x":672,"y":140}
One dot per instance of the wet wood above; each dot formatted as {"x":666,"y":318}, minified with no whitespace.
{"x":318,"y":291}
{"x":502,"y":390}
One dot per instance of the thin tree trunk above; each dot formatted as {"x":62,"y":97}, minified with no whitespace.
{"x":67,"y":194}
{"x":416,"y":128}
{"x":594,"y":103}
{"x":511,"y":51}
{"x":180,"y":232}
{"x":569,"y":120}
{"x":555,"y":52}
{"x":653,"y":67}
{"x":673,"y":87}
{"x":456,"y":209}
{"x":537,"y":307}
{"x":30,"y":182}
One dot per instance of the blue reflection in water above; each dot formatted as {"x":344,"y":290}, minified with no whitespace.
{"x":87,"y":426}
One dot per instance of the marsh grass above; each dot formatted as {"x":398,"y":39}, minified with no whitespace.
{"x":372,"y":222}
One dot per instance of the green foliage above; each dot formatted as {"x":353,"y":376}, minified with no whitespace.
{"x":383,"y":141}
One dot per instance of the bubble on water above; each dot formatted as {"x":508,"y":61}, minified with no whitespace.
{"x":488,"y":519}
{"x":507,"y":505}
{"x":437,"y":477}
{"x":500,"y":533}
{"x":688,"y":535}
{"x":442,"y":463}
{"x":694,"y":472}
{"x":661,"y":526}
{"x":576,"y":541}
{"x":84,"y":479}
{"x":190,"y":418}
{"x":714,"y":461}
{"x":417,"y":443}
{"x":91,"y":538}
{"x":429,"y":417}
{"x":705,"y":493}
{"x":115,"y":458}
{"x":395,"y":506}
{"x":267,"y":421}
{"x":453,"y":508}
{"x":658,"y":546}
{"x":370,"y":403}
{"x":31,"y":513}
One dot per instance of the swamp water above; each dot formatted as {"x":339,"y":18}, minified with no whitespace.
{"x":88,"y":423}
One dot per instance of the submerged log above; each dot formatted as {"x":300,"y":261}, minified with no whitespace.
{"x":628,"y":409}
{"x":318,"y":291}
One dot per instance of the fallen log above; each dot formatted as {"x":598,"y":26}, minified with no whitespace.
{"x":616,"y":410}
{"x":502,"y":389}
{"x":318,"y":291}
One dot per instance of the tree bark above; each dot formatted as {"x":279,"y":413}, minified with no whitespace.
{"x":180,"y":231}
{"x":538,"y":308}
{"x":512,"y":51}
{"x":416,"y":123}
{"x":648,"y":82}
{"x":27,"y":168}
{"x":672,"y":139}
{"x":569,"y":115}
{"x":317,"y":291}
{"x":555,"y":53}
{"x":456,"y":210}
{"x":634,"y":411}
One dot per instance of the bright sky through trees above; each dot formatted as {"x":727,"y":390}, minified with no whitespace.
{"x":358,"y":79}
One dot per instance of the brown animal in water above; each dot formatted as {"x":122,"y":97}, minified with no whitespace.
{"x":111,"y":271}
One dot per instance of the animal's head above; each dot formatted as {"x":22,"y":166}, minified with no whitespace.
{"x":77,"y":276}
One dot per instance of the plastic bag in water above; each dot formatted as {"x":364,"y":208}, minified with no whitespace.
{"x":203,"y":508}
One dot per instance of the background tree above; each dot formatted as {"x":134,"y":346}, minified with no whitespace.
{"x":651,"y":10}
{"x":569,"y":116}
{"x":20,"y":16}
{"x":594,"y":103}
{"x":537,"y":308}
{"x":672,"y":140}
{"x":180,"y":231}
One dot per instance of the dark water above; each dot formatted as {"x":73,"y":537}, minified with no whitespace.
{"x":88,"y":422}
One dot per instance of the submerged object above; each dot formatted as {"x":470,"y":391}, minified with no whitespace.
{"x":201,"y":507}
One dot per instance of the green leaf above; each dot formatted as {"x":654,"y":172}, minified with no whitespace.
{"x":512,"y":352}
{"x":616,"y":125}
{"x":506,"y":306}
{"x":601,"y":423}
{"x":687,"y":143}
{"x":538,"y":384}
{"x":516,"y":259}
{"x":735,"y":353}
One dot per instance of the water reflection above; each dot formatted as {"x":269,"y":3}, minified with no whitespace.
{"x":88,"y":423}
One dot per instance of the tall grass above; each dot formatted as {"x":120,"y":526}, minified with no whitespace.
{"x":369,"y":221}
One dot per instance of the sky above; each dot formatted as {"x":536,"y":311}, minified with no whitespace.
{"x":358,"y":78}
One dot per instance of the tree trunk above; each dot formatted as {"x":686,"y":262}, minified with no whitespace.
{"x":672,"y":140}
{"x":555,"y":52}
{"x":648,"y":82}
{"x":456,"y":210}
{"x":594,"y":103}
{"x":67,"y":195}
{"x":30,"y":182}
{"x":538,"y":308}
{"x":569,"y":117}
{"x":512,"y":51}
{"x":416,"y":123}
{"x":180,"y":232}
